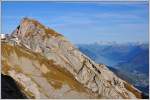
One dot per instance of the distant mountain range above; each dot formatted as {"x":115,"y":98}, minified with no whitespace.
{"x":130,"y":60}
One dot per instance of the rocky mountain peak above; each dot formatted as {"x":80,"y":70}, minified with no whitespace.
{"x":30,"y":27}
{"x":45,"y":51}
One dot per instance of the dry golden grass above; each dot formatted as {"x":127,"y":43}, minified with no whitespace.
{"x":51,"y":32}
{"x":18,"y":69}
{"x":57,"y":76}
{"x":37,"y":24}
{"x":29,"y":94}
{"x":135,"y":92}
{"x":6,"y":50}
{"x":9,"y":49}
{"x":47,"y":30}
{"x":5,"y":67}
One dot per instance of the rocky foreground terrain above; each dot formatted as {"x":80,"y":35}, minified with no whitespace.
{"x":46,"y":65}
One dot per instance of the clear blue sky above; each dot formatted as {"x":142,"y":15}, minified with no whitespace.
{"x":83,"y":22}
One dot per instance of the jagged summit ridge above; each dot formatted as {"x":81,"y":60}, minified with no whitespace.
{"x":30,"y":27}
{"x":96,"y":77}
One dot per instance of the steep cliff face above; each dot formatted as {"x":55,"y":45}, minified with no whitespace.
{"x":38,"y":77}
{"x":46,"y":65}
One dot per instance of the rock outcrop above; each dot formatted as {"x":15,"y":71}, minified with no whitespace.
{"x":46,"y":65}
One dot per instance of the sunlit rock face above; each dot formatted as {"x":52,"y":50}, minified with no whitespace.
{"x":46,"y":65}
{"x":39,"y":77}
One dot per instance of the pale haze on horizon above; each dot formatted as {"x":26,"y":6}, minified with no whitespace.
{"x":83,"y":22}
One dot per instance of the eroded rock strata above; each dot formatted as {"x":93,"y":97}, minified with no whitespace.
{"x":47,"y":65}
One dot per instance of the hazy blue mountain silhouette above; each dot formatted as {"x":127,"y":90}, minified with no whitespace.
{"x":130,"y":60}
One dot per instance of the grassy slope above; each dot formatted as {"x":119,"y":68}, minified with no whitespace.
{"x":57,"y":76}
